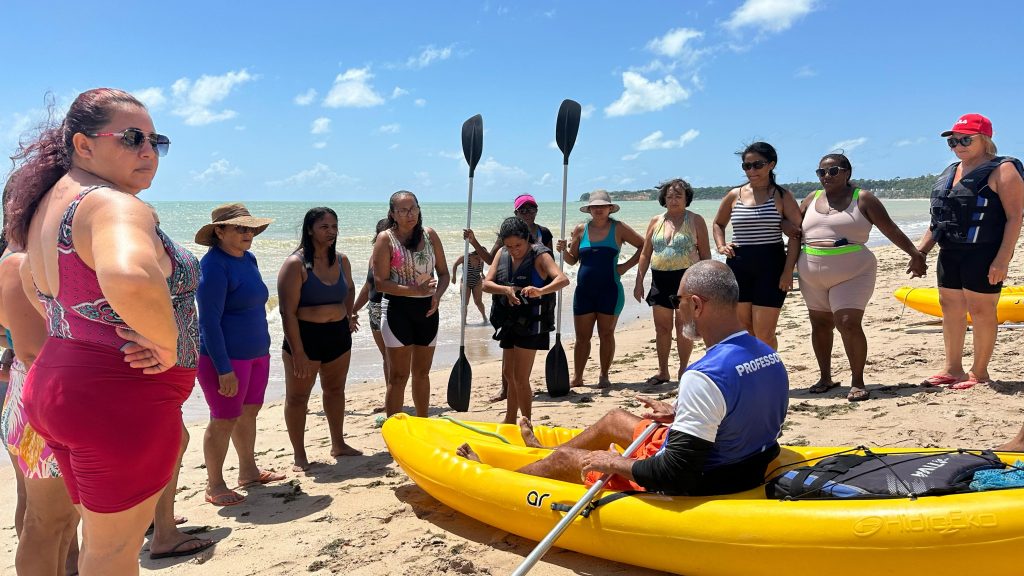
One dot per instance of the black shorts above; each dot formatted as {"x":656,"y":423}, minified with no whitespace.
{"x":967,"y":268}
{"x":540,"y":341}
{"x":323,"y":341}
{"x":738,"y":476}
{"x":758,"y":269}
{"x":404,"y":322}
{"x":664,"y":283}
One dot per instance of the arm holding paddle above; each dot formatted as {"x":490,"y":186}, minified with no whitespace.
{"x":626,"y":235}
{"x":440,"y":268}
{"x":570,"y":252}
{"x":487,"y":257}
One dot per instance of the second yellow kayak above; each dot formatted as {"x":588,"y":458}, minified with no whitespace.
{"x":926,"y":300}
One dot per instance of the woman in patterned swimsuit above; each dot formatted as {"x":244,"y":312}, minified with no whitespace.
{"x":106,"y":390}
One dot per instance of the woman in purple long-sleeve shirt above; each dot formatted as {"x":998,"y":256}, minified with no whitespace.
{"x":234,"y":362}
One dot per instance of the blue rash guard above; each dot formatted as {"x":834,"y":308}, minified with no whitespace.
{"x":232,"y":302}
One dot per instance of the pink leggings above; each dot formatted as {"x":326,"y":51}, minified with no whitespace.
{"x":114,"y":431}
{"x":252,"y":385}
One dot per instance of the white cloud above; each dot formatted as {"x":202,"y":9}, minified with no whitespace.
{"x":12,"y":130}
{"x":656,"y":141}
{"x":153,"y":98}
{"x":625,"y":181}
{"x":496,"y":170}
{"x":805,"y":72}
{"x":550,"y":13}
{"x":553,"y":145}
{"x":587,"y":111}
{"x":420,"y":102}
{"x":423,"y":179}
{"x":321,"y":126}
{"x":847,"y":145}
{"x":306,"y":98}
{"x":194,"y":101}
{"x":217,"y":170}
{"x":428,"y":56}
{"x":390,"y":129}
{"x":543,"y":179}
{"x":674,"y":43}
{"x":398,"y":92}
{"x":352,"y":89}
{"x":642,"y":95}
{"x":456,"y":155}
{"x":393,"y":146}
{"x":319,"y":176}
{"x":910,"y":142}
{"x":697,"y":81}
{"x":319,"y":145}
{"x":769,"y":15}
{"x":631,"y":157}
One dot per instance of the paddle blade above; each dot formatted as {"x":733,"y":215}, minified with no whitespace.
{"x":567,"y":127}
{"x":460,"y":383}
{"x":473,"y":141}
{"x":556,"y":370}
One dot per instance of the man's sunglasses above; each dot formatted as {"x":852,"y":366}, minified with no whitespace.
{"x":821,"y":172}
{"x":132,"y":139}
{"x":754,"y":165}
{"x":964,"y":141}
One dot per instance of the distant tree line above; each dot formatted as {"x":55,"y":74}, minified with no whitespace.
{"x":918,"y":187}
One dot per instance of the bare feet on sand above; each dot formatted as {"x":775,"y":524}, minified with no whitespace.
{"x":526,"y":429}
{"x":576,"y":382}
{"x":302,"y":464}
{"x":466,"y":452}
{"x":1015,"y":445}
{"x":604,"y":382}
{"x":345,"y":450}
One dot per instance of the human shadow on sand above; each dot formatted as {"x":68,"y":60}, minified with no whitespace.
{"x":276,"y":503}
{"x":203,"y":532}
{"x":427,"y":508}
{"x":349,"y":467}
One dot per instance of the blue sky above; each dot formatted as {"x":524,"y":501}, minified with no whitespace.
{"x":352,"y":101}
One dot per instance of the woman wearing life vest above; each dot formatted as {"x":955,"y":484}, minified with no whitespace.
{"x":675,"y":241}
{"x":523,"y":279}
{"x":599,"y":296}
{"x":760,"y":212}
{"x":976,"y":209}
{"x":837,"y":271}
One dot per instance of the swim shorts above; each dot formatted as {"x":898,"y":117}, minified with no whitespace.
{"x":323,"y":341}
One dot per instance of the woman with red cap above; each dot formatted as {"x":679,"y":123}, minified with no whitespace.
{"x":976,"y":213}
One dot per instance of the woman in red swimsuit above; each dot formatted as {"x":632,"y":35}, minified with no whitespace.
{"x":119,"y":297}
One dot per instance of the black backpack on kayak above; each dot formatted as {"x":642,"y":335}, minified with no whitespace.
{"x":871,"y":475}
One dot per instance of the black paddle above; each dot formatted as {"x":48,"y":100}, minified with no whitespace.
{"x":556,"y":367}
{"x":461,"y":380}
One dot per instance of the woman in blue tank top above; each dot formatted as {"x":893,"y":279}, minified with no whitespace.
{"x":599,"y":296}
{"x":317,"y":297}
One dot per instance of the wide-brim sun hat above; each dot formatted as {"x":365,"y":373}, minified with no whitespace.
{"x":600,"y":198}
{"x":234,"y":214}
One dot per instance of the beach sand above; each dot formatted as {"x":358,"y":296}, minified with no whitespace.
{"x":363,"y":516}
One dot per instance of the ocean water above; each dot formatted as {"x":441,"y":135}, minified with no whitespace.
{"x":181,"y":220}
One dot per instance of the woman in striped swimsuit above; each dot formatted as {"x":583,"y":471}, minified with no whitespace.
{"x":760,"y":211}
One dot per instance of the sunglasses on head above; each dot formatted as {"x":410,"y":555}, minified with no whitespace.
{"x":964,"y":141}
{"x":132,"y":139}
{"x":821,"y":172}
{"x":757,"y":165}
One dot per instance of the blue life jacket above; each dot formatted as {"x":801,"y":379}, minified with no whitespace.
{"x":969,"y":213}
{"x":533,"y":315}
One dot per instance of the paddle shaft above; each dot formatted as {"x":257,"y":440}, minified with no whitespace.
{"x":465,"y":265}
{"x":561,"y":235}
{"x":549,"y":540}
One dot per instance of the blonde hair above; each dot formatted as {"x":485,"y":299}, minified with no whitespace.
{"x":990,"y":146}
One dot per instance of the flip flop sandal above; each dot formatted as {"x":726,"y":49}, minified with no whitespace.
{"x":822,"y":387}
{"x":225,"y":499}
{"x":858,"y":395}
{"x":177,"y":552}
{"x":266,"y":477}
{"x":656,"y":381}
{"x":941,"y":380}
{"x":971,"y":382}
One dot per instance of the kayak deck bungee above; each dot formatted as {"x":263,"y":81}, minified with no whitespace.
{"x":1010,"y":307}
{"x":744,"y":533}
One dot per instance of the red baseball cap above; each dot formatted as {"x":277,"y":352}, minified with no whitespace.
{"x":971,"y":124}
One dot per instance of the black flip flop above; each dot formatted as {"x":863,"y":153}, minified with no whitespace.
{"x":176,"y":552}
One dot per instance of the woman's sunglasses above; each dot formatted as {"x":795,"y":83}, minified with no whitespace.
{"x":754,"y":165}
{"x":964,"y":141}
{"x":132,"y":139}
{"x":821,"y":172}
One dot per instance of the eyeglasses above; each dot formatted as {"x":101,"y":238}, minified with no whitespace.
{"x":132,"y":139}
{"x":757,"y":165}
{"x":830,"y":171}
{"x":964,"y":141}
{"x":675,"y":299}
{"x":527,"y":210}
{"x":403,"y":212}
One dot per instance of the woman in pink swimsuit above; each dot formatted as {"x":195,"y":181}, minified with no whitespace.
{"x":119,"y":297}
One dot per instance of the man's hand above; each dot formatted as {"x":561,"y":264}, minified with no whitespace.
{"x":607,"y":463}
{"x":658,"y":411}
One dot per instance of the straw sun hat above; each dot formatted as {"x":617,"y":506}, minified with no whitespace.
{"x":600,"y":198}
{"x":235,"y":214}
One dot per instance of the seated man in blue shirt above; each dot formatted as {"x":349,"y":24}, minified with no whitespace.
{"x":721,"y":434}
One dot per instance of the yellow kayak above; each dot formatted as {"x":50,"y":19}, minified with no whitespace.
{"x":1009,"y":309}
{"x":742,"y":533}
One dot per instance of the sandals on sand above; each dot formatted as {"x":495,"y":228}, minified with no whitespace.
{"x":177,"y":552}
{"x":822,"y":387}
{"x":266,"y":477}
{"x":229,"y":498}
{"x":942,"y":380}
{"x":656,"y":381}
{"x":971,"y":382}
{"x":858,"y":394}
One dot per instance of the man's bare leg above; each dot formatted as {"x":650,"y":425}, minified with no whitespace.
{"x":614,"y":427}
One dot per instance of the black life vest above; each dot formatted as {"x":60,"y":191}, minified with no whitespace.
{"x":969,"y":213}
{"x":533,"y":315}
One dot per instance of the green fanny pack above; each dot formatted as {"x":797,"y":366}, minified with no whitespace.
{"x":832,"y":250}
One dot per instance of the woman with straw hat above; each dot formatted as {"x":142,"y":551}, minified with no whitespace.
{"x":599,"y":296}
{"x":234,"y":347}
